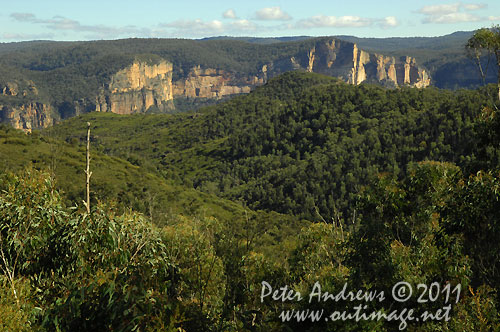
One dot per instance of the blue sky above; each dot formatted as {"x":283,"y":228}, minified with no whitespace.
{"x":112,"y":19}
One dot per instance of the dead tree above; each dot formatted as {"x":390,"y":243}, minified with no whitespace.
{"x":87,"y":171}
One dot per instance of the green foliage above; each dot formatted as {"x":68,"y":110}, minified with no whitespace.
{"x":34,"y":229}
{"x":191,"y":248}
{"x":104,"y":271}
{"x":477,"y":313}
{"x":302,"y":143}
{"x":90,"y":272}
{"x":355,"y":158}
{"x":132,"y":184}
{"x":401,"y":233}
{"x":17,"y":312}
{"x":473,"y":212}
{"x":320,"y":255}
{"x":124,"y":278}
{"x":486,"y":40}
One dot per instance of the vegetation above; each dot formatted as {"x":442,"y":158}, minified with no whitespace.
{"x":486,"y":40}
{"x":128,"y":185}
{"x":304,"y":144}
{"x":192,"y":212}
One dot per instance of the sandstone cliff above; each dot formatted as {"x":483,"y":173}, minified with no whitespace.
{"x":329,"y":57}
{"x":9,"y":89}
{"x":137,"y":88}
{"x":213,"y":83}
{"x":346,"y":61}
{"x":27,"y":116}
{"x":21,"y":114}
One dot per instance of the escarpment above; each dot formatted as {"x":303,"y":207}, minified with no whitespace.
{"x":138,"y":88}
{"x":353,"y":65}
{"x":27,"y":116}
{"x":153,"y":83}
{"x":214,"y":83}
{"x":21,"y":108}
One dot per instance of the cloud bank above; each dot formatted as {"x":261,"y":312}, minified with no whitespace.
{"x":60,"y":23}
{"x":453,"y":13}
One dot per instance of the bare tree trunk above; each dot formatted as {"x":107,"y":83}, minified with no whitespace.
{"x":87,"y":171}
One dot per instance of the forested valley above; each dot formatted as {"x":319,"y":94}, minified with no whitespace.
{"x":307,"y":180}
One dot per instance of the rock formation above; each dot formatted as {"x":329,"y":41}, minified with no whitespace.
{"x":27,"y":116}
{"x":147,"y":85}
{"x":346,"y":61}
{"x":213,"y":83}
{"x":9,"y":89}
{"x":137,"y":88}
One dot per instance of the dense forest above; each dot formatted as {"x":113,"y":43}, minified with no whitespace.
{"x":304,"y":144}
{"x":306,"y":181}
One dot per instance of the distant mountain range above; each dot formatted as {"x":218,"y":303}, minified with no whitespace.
{"x":44,"y":81}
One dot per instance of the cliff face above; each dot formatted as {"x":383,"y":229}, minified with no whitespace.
{"x":28,"y":116}
{"x":24,"y":115}
{"x":346,"y":61}
{"x":137,"y":88}
{"x":213,"y":83}
{"x":9,"y":89}
{"x":334,"y":58}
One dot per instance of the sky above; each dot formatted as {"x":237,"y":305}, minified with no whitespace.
{"x":115,"y":19}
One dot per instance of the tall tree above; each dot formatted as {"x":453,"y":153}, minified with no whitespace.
{"x":486,"y":40}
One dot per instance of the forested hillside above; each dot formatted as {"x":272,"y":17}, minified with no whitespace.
{"x":395,"y":185}
{"x":304,"y":144}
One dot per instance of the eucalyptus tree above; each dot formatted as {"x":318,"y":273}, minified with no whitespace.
{"x":485,"y":40}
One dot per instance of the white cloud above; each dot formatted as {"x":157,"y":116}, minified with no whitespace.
{"x":493,"y":18}
{"x":389,"y":22}
{"x":200,"y":28}
{"x":196,"y":27}
{"x":475,"y":6}
{"x":244,"y":25}
{"x":452,"y":13}
{"x":60,"y":23}
{"x":230,"y":13}
{"x":322,"y":21}
{"x":452,"y":18}
{"x":24,"y":17}
{"x":440,"y":9}
{"x":272,"y":14}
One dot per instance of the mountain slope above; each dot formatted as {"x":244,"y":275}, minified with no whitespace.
{"x":131,"y":185}
{"x":302,"y":144}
